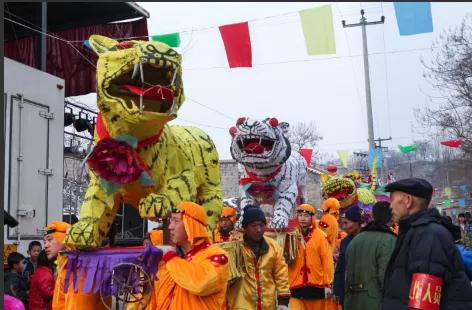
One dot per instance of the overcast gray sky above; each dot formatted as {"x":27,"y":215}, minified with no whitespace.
{"x":326,"y":89}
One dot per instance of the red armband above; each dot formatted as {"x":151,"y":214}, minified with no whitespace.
{"x":425,"y":292}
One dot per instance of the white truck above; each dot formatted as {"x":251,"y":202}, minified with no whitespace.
{"x":34,"y":135}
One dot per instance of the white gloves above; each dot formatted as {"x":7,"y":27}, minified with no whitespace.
{"x":281,"y":307}
{"x":328,"y":292}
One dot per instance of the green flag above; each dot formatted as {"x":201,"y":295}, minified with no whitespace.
{"x":407,"y":148}
{"x":318,"y":30}
{"x":447,"y":203}
{"x":171,"y":39}
{"x":344,"y":156}
{"x":447,"y":191}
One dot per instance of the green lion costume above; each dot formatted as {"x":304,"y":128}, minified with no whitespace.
{"x":138,"y":159}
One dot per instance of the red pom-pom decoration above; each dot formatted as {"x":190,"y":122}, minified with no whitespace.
{"x":240,"y":121}
{"x":232,"y":131}
{"x":332,"y":168}
{"x":274,"y":122}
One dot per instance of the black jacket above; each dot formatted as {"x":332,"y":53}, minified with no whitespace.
{"x":339,"y":273}
{"x":425,"y":244}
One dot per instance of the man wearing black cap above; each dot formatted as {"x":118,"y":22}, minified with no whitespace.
{"x":366,"y":260}
{"x":426,"y":270}
{"x":351,"y":221}
{"x":266,"y":279}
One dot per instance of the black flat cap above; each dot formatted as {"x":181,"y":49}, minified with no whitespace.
{"x":413,"y":186}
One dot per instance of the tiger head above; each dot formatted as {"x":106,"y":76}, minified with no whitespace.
{"x":139,"y":84}
{"x":260,"y":144}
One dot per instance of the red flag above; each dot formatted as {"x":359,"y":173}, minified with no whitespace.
{"x":453,"y":143}
{"x":307,"y":153}
{"x":237,"y":44}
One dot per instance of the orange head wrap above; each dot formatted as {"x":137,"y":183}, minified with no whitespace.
{"x":306,"y":208}
{"x":156,"y":236}
{"x":331,"y":204}
{"x":195,"y":221}
{"x":230,"y":213}
{"x":58,"y":230}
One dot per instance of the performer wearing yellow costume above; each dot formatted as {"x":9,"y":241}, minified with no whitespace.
{"x":265,"y":285}
{"x":194,"y":275}
{"x":312,"y":271}
{"x":225,"y":225}
{"x":53,"y":244}
{"x":329,"y":223}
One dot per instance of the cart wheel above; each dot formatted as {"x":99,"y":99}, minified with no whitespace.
{"x":129,"y":285}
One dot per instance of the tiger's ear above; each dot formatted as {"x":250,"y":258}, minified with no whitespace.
{"x":101,"y":44}
{"x":284,"y":126}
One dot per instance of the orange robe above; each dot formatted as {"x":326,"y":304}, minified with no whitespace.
{"x":329,"y":225}
{"x":196,"y":281}
{"x":313,"y":267}
{"x":71,"y":300}
{"x":218,"y":237}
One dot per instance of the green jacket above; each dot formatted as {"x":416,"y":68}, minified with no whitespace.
{"x":366,"y":260}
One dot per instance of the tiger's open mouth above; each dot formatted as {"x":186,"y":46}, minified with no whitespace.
{"x":255,"y":144}
{"x":146,"y":86}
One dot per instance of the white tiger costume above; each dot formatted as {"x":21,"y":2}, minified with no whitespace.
{"x":267,"y":166}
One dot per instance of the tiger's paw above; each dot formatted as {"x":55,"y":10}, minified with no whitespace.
{"x":155,"y":206}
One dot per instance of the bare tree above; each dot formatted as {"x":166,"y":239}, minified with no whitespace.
{"x":303,"y":135}
{"x":450,"y":74}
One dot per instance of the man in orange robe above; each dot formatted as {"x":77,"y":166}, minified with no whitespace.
{"x":194,"y":274}
{"x":312,"y":271}
{"x":225,"y":225}
{"x":53,"y":244}
{"x":329,"y":222}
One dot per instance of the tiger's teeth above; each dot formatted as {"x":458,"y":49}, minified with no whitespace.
{"x":135,"y":71}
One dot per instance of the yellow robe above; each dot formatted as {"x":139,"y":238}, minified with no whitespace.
{"x":71,"y":300}
{"x":264,"y":280}
{"x":196,"y":281}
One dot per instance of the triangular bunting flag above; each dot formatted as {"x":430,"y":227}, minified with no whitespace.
{"x":307,"y":153}
{"x":171,"y":39}
{"x":343,"y":156}
{"x":407,"y":148}
{"x":453,"y":143}
{"x":237,"y":44}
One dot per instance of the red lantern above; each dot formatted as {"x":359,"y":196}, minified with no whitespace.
{"x":274,"y":122}
{"x":332,"y":168}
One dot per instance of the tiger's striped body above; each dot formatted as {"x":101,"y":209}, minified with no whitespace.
{"x":183,"y":162}
{"x":265,"y":159}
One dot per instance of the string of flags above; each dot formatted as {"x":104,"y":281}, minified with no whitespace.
{"x":318,"y":30}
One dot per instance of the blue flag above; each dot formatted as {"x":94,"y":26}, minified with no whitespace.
{"x":413,"y":17}
{"x":464,"y":189}
{"x":372,"y":154}
{"x":461,"y":203}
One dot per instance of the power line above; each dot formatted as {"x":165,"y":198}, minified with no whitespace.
{"x":200,"y":124}
{"x":212,"y":109}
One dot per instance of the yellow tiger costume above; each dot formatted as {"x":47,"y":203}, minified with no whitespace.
{"x":182,"y":162}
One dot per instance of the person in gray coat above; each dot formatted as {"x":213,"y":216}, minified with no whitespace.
{"x":367,"y":258}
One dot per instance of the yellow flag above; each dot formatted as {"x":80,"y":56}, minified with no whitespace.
{"x":318,"y":30}
{"x":343,"y":155}
{"x":447,"y":191}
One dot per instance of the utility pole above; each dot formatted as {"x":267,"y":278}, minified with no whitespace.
{"x":363,"y":23}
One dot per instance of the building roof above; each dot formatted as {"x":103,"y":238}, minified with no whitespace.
{"x":66,"y":15}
